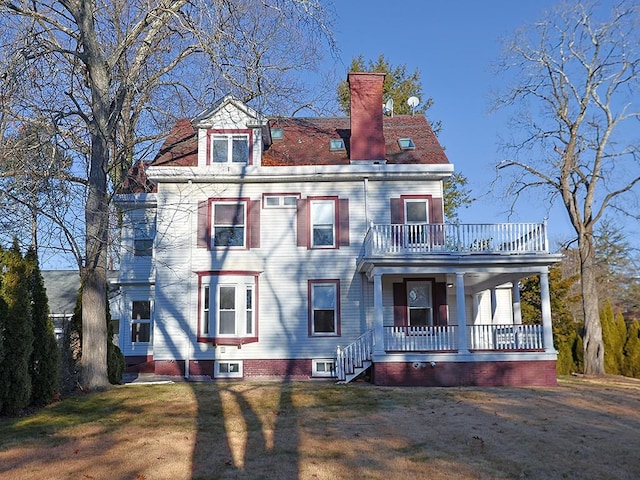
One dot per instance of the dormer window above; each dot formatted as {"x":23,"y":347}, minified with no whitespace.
{"x":406,"y":144}
{"x":336,"y":144}
{"x":277,"y":134}
{"x":230,"y":148}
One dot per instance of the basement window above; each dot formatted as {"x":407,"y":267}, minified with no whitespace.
{"x":323,"y":368}
{"x":225,"y":369}
{"x":336,"y":144}
{"x":406,"y":144}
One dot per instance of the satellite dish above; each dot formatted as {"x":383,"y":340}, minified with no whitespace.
{"x":413,"y":102}
{"x":388,"y":107}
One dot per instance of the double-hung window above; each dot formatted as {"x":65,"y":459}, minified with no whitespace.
{"x":416,"y":214}
{"x":228,"y":308}
{"x":419,"y":304}
{"x":324,"y":307}
{"x":143,"y":240}
{"x":140,"y":321}
{"x":230,"y":148}
{"x":323,"y":223}
{"x":229,"y":224}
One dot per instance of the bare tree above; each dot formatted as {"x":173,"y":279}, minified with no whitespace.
{"x":577,"y":83}
{"x":108,"y":74}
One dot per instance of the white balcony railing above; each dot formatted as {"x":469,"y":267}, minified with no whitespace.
{"x":509,"y":238}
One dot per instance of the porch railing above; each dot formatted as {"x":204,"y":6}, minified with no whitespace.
{"x":411,"y":339}
{"x":505,"y":337}
{"x":479,"y":337}
{"x":456,"y":238}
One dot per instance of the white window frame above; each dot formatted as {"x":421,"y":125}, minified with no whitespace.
{"x":318,"y":220}
{"x":140,"y":321}
{"x":221,"y":373}
{"x":244,"y":307}
{"x":417,"y":233}
{"x":314,"y":306}
{"x":230,"y":139}
{"x":329,"y":372}
{"x":428,"y":285}
{"x":143,"y":238}
{"x":281,"y":200}
{"x":407,"y":201}
{"x":244,"y":226}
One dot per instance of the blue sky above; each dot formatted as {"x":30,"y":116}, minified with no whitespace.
{"x":453,"y":44}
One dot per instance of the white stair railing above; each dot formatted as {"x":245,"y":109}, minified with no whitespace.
{"x":354,"y":355}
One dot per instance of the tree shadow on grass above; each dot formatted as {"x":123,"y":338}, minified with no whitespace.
{"x":244,"y":435}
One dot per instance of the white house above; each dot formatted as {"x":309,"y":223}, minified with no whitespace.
{"x":315,"y":247}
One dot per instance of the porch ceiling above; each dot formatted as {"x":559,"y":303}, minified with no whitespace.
{"x":481,"y":271}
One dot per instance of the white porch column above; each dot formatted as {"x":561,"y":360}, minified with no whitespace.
{"x":461,"y":313}
{"x":517,"y":313}
{"x":378,"y":318}
{"x":545,"y":306}
{"x":494,"y":305}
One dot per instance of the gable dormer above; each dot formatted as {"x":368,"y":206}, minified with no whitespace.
{"x":230,"y":133}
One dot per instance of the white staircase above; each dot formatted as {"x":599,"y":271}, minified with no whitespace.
{"x":355,"y":358}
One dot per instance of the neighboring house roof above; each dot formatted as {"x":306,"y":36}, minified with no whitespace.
{"x":62,"y":290}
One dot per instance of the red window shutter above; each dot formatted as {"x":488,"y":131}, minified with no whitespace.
{"x":436,"y":215}
{"x":440,"y":302}
{"x":343,"y":214}
{"x":399,"y":304}
{"x":254,"y":226}
{"x":302,"y":223}
{"x":397,"y":211}
{"x":203,"y":224}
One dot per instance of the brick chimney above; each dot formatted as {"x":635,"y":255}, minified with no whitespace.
{"x":367,"y":139}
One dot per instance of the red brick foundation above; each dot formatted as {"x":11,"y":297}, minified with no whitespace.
{"x":481,"y":374}
{"x":293,"y":369}
{"x":289,"y":369}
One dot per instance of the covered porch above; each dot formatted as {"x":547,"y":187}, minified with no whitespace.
{"x":448,"y":300}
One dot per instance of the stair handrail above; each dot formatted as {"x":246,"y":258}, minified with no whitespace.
{"x":354,"y":354}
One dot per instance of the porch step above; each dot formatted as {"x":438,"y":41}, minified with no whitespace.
{"x":357,"y":371}
{"x":355,"y":358}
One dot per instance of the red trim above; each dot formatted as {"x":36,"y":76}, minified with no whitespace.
{"x":405,"y":306}
{"x":338,"y":332}
{"x":238,"y":341}
{"x":336,"y":223}
{"x":227,"y":131}
{"x":429,"y":199}
{"x":247,"y":221}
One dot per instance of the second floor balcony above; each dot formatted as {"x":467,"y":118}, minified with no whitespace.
{"x":442,"y":238}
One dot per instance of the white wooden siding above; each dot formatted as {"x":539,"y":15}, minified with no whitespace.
{"x":282,"y":319}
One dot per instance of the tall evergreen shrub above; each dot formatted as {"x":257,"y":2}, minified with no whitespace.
{"x":632,"y":351}
{"x":44,"y":365}
{"x":614,"y":335}
{"x":15,"y":381}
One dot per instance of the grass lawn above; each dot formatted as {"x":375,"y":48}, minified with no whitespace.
{"x":586,"y":428}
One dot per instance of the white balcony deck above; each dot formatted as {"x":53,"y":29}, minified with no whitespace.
{"x":434,"y":238}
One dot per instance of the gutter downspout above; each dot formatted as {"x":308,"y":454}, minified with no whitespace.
{"x":189,"y":316}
